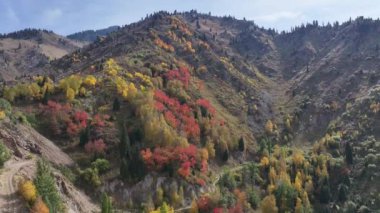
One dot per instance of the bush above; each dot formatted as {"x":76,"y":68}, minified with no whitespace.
{"x":91,"y":176}
{"x":28,"y":191}
{"x":101,"y":165}
{"x":5,"y":106}
{"x":39,"y":207}
{"x":253,"y":199}
{"x":4,"y":154}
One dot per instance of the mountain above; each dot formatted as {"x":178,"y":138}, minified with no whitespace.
{"x":92,"y":35}
{"x":209,"y":113}
{"x":25,"y":52}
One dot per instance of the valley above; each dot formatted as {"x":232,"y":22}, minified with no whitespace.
{"x":188,"y":112}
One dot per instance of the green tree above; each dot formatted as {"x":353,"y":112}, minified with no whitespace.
{"x":241,"y":144}
{"x":342,"y":192}
{"x":84,"y":136}
{"x":349,"y":154}
{"x":46,"y":187}
{"x":116,"y":104}
{"x":325,"y":194}
{"x":4,"y":154}
{"x":106,"y":204}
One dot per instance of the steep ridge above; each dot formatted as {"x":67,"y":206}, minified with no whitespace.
{"x":25,"y":52}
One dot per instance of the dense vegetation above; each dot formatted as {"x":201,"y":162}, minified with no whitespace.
{"x":160,"y":118}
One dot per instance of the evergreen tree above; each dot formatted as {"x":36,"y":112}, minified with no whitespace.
{"x":325,"y":194}
{"x":116,"y":105}
{"x":342,"y":192}
{"x":225,"y":155}
{"x":349,"y":154}
{"x":46,"y":187}
{"x":106,"y":204}
{"x":241,"y":144}
{"x":84,"y":136}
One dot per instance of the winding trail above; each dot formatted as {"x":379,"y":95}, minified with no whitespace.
{"x":9,"y":200}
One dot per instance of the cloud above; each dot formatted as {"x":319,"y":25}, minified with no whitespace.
{"x":275,"y":17}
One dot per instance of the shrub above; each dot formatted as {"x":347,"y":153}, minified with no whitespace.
{"x":39,"y":207}
{"x":28,"y":191}
{"x":4,"y":154}
{"x":101,"y":164}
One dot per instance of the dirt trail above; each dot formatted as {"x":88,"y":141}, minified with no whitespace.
{"x":9,"y":200}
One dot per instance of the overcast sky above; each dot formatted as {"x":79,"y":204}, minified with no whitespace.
{"x":68,"y":16}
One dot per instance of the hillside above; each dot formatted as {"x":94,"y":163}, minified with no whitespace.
{"x":92,"y":35}
{"x":209,"y":113}
{"x":26,"y":52}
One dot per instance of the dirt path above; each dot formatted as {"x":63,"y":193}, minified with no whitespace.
{"x":9,"y":200}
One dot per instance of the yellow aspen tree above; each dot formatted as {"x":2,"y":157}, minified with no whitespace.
{"x":268,"y":205}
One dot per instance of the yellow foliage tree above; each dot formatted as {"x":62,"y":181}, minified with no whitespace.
{"x":264,"y":162}
{"x":272,"y":175}
{"x":269,"y":127}
{"x":268,"y":205}
{"x":299,"y":207}
{"x":39,"y":207}
{"x":132,"y":91}
{"x":90,"y":80}
{"x":194,"y":207}
{"x":298,"y":182}
{"x":111,"y":67}
{"x":70,"y":94}
{"x":298,"y":158}
{"x":2,"y":114}
{"x":28,"y":191}
{"x":164,"y":208}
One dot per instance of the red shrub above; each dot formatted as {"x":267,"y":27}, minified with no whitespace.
{"x":182,"y":74}
{"x":170,"y":119}
{"x":218,"y":210}
{"x":204,"y":204}
{"x":206,"y":105}
{"x":95,"y":146}
{"x":201,"y":182}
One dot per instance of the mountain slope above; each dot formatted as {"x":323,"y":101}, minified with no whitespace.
{"x":92,"y":35}
{"x":25,"y":52}
{"x":189,"y":108}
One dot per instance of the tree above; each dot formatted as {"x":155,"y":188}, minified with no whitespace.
{"x":241,"y":144}
{"x":225,"y":155}
{"x":70,"y":94}
{"x":46,"y":187}
{"x":84,"y":136}
{"x":116,"y":105}
{"x":342,"y":192}
{"x":269,"y":127}
{"x":28,"y":191}
{"x":299,"y":207}
{"x":106,"y":204}
{"x":325,"y":195}
{"x":4,"y":154}
{"x":39,"y":207}
{"x":194,"y":207}
{"x":268,"y":205}
{"x":164,"y":208}
{"x":349,"y":154}
{"x":90,"y":80}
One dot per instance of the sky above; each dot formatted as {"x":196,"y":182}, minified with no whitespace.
{"x":68,"y":16}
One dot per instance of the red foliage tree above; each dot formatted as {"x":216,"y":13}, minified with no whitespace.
{"x":95,"y":146}
{"x":204,"y":204}
{"x":182,"y":74}
{"x":206,"y":105}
